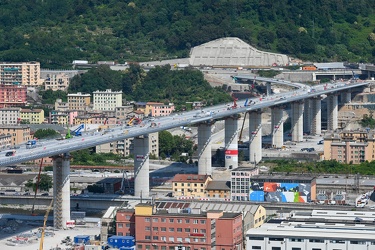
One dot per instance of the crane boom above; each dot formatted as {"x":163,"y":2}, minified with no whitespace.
{"x":44,"y":225}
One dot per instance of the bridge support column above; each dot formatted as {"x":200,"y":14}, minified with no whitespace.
{"x":277,"y":125}
{"x":269,"y":89}
{"x":346,"y":97}
{"x":204,"y":149}
{"x":255,"y":130}
{"x":231,"y":142}
{"x":297,"y":121}
{"x":332,"y":112}
{"x":141,"y":166}
{"x":61,"y":190}
{"x":316,"y":121}
{"x":307,"y":116}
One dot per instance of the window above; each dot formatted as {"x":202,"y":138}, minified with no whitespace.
{"x":120,"y":225}
{"x":147,"y":219}
{"x":147,"y":237}
{"x":203,"y":222}
{"x":187,"y":230}
{"x":139,"y":246}
{"x":256,"y":247}
{"x":155,"y":220}
{"x":179,"y":229}
{"x":155,"y":229}
{"x":179,"y":239}
{"x":256,"y":238}
{"x":316,"y":240}
{"x":127,"y":225}
{"x":171,"y":220}
{"x":337,"y":241}
{"x":296,"y":248}
{"x":163,"y":220}
{"x":171,"y":239}
{"x":195,"y":222}
{"x":147,"y":228}
{"x":296,"y":240}
{"x":187,"y":221}
{"x":163,"y":229}
{"x":179,"y":221}
{"x":358,"y":242}
{"x":163,"y":238}
{"x":155,"y":237}
{"x":275,"y":239}
{"x":171,"y":229}
{"x":195,"y":230}
{"x":203,"y":231}
{"x":276,"y":248}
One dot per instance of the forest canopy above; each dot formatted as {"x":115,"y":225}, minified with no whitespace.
{"x":57,"y":32}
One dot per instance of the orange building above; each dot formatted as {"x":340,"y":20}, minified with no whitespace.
{"x":354,"y":146}
{"x":179,"y":228}
{"x":190,"y":185}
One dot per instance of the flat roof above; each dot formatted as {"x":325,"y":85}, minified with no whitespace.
{"x":314,"y":231}
{"x":283,"y":177}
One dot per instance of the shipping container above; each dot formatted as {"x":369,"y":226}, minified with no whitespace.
{"x":121,"y":241}
{"x":79,"y":239}
{"x":312,"y":67}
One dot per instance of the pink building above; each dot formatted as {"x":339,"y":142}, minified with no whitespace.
{"x":12,"y":96}
{"x":159,"y":109}
{"x":178,"y":227}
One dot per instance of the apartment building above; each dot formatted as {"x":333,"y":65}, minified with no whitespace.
{"x":82,"y":119}
{"x":62,"y":117}
{"x":350,"y":146}
{"x":185,"y":229}
{"x":122,"y":112}
{"x":5,"y":141}
{"x":56,"y":81}
{"x":158,"y":109}
{"x":240,"y":183}
{"x":19,"y":133}
{"x":23,"y":73}
{"x":10,"y":116}
{"x":61,"y":106}
{"x":12,"y":95}
{"x":103,"y":119}
{"x":107,"y":100}
{"x":79,"y":101}
{"x":190,"y":185}
{"x":32,"y":116}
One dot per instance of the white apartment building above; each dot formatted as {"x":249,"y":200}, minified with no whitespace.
{"x":107,"y":100}
{"x":22,"y":73}
{"x":10,"y":116}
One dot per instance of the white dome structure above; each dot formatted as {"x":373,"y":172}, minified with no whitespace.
{"x":232,"y":51}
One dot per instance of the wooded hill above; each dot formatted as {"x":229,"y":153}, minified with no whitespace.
{"x":56,"y":32}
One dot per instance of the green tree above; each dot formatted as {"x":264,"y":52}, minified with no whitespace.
{"x":45,"y":133}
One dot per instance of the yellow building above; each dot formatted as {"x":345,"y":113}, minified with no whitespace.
{"x":22,"y":73}
{"x":82,"y":120}
{"x":79,"y":101}
{"x":218,"y":189}
{"x":20,"y":134}
{"x":354,"y":146}
{"x":190,"y":185}
{"x":32,"y":116}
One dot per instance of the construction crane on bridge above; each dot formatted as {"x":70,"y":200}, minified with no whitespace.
{"x":43,"y":229}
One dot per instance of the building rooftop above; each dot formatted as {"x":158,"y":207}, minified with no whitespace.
{"x":283,"y":177}
{"x":218,"y":185}
{"x":192,"y":178}
{"x":314,"y":231}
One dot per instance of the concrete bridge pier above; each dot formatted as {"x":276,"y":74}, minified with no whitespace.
{"x":277,"y":125}
{"x":346,"y":97}
{"x":316,"y":121}
{"x":297,"y":121}
{"x":255,"y":135}
{"x":204,"y":149}
{"x":332,"y":112}
{"x":231,"y":142}
{"x":269,"y":89}
{"x":61,"y":190}
{"x":307,"y":116}
{"x":141,"y":166}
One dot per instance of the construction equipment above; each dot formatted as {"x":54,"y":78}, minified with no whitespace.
{"x":77,"y":131}
{"x":234,"y":102}
{"x":37,"y":186}
{"x":44,"y":225}
{"x":240,"y":135}
{"x":130,"y":123}
{"x":68,"y":135}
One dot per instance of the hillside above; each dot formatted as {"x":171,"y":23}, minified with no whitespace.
{"x":57,"y":32}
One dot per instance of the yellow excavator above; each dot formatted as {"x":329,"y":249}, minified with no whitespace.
{"x":44,"y":225}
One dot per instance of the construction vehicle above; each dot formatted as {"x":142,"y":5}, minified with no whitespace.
{"x":130,"y":123}
{"x":44,"y":226}
{"x":75,"y":132}
{"x":234,"y":102}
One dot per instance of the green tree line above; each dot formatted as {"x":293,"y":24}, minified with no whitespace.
{"x":57,"y":32}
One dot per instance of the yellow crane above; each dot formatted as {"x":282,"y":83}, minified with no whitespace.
{"x":44,"y":225}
